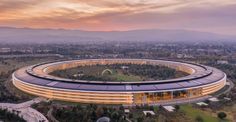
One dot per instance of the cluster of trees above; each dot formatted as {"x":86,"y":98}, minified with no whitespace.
{"x":4,"y":62}
{"x":88,"y":113}
{"x":5,"y":96}
{"x":90,"y":77}
{"x":43,"y":107}
{"x":10,"y":117}
{"x":150,"y":71}
{"x":5,"y":75}
{"x":147,"y":71}
{"x":91,"y":113}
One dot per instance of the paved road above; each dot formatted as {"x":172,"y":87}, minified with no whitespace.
{"x":230,"y":85}
{"x":29,"y":114}
{"x":50,"y":116}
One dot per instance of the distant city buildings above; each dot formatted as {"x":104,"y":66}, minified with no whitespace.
{"x":184,"y":56}
{"x":5,"y":50}
{"x":222,"y":62}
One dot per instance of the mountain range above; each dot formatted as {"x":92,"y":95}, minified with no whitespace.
{"x":29,"y":35}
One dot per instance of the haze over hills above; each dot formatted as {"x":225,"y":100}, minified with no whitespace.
{"x":28,"y":35}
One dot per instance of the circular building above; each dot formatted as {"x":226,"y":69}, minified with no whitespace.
{"x":201,"y":81}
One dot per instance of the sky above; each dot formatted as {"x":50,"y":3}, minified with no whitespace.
{"x":217,"y":16}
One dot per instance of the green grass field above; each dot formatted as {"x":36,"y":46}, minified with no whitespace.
{"x":193,"y":113}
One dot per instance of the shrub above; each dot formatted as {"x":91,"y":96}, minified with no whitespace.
{"x":177,"y":107}
{"x":199,"y":119}
{"x":222,"y":115}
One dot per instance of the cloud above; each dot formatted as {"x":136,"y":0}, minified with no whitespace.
{"x":204,"y":15}
{"x":18,"y":5}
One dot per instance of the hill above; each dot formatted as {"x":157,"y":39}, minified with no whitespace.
{"x":29,"y":35}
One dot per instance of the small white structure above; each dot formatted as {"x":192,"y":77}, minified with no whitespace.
{"x":150,"y":112}
{"x":180,"y":55}
{"x":169,"y":108}
{"x":226,"y":98}
{"x":214,"y":99}
{"x":202,"y":104}
{"x":228,"y":83}
{"x":124,"y":67}
{"x":78,"y":75}
{"x":127,"y":111}
{"x":103,"y":119}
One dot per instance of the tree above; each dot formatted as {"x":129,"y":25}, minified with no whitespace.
{"x":114,"y":116}
{"x":151,"y":108}
{"x":130,"y":115}
{"x":177,"y":107}
{"x":140,"y":119}
{"x":199,"y":119}
{"x":222,"y":115}
{"x":99,"y":112}
{"x":160,"y":107}
{"x":94,"y":116}
{"x":122,"y":108}
{"x":137,"y":107}
{"x":148,"y":115}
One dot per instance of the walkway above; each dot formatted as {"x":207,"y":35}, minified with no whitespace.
{"x":178,"y":101}
{"x":24,"y":109}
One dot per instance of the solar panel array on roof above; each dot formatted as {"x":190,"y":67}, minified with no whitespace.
{"x":52,"y":83}
{"x":187,"y":83}
{"x":93,"y":87}
{"x":143,"y":87}
{"x":128,"y":87}
{"x":36,"y":81}
{"x":67,"y":85}
{"x":167,"y":86}
{"x":116,"y":87}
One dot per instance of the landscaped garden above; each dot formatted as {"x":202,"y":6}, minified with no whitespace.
{"x":119,"y":72}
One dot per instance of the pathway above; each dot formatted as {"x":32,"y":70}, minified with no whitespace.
{"x":24,"y":109}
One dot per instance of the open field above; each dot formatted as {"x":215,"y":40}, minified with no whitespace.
{"x":193,"y":113}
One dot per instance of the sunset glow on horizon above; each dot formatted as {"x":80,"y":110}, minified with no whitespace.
{"x":107,"y":15}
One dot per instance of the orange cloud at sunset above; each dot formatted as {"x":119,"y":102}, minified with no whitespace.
{"x":120,"y":14}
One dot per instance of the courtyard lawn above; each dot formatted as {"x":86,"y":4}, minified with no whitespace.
{"x":122,"y":77}
{"x":114,"y":72}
